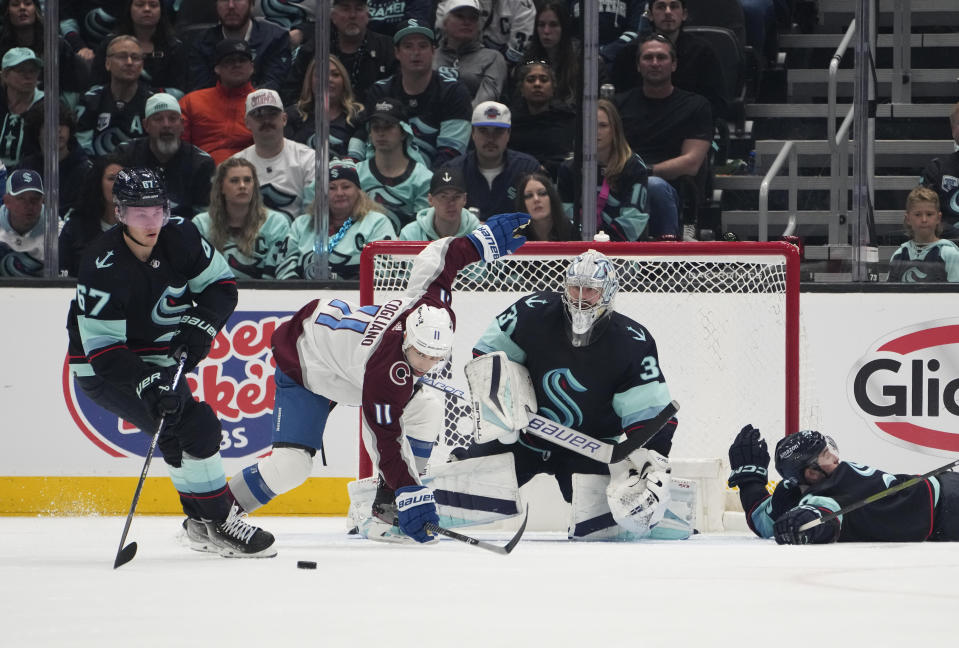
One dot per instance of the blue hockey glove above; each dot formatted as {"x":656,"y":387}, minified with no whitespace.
{"x":786,"y":528}
{"x":499,"y":236}
{"x":194,"y":335}
{"x":161,"y":401}
{"x":415,"y":508}
{"x":749,"y":458}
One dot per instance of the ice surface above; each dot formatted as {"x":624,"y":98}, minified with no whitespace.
{"x":58,"y":588}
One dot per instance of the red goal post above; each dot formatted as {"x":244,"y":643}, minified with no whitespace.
{"x":725,"y":317}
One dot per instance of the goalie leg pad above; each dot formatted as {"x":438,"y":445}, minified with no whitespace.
{"x":285,"y":469}
{"x":475,"y":491}
{"x":501,"y":392}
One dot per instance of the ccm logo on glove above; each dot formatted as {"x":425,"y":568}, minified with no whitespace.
{"x":414,"y":500}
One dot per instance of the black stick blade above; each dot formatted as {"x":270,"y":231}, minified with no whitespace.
{"x":519,"y":534}
{"x":125,"y":555}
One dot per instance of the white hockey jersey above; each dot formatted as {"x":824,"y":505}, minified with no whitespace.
{"x":284,"y":178}
{"x":21,"y":255}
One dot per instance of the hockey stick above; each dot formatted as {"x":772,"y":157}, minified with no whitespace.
{"x":574,"y":440}
{"x":504,"y":550}
{"x":829,"y":517}
{"x":126,"y":553}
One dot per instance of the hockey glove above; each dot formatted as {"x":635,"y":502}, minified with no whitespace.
{"x":159,"y":399}
{"x":415,"y":508}
{"x":786,"y":528}
{"x":194,"y":335}
{"x":749,"y":458}
{"x":499,"y":236}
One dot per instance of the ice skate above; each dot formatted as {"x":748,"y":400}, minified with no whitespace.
{"x":237,"y":538}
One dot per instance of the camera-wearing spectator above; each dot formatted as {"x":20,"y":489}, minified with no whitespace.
{"x":538,"y":197}
{"x":284,"y":168}
{"x":269,"y":46}
{"x":214,"y":119}
{"x":543,"y":126}
{"x":392,"y":177}
{"x":95,"y":213}
{"x":462,"y":55}
{"x":187,"y":169}
{"x":112,"y":113}
{"x":355,"y":220}
{"x":251,"y":237}
{"x":447,"y":214}
{"x":438,"y":109}
{"x":924,"y":257}
{"x":21,"y":226}
{"x":21,"y":98}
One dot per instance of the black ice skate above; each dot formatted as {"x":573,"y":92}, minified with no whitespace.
{"x":237,"y":538}
{"x":197,"y":537}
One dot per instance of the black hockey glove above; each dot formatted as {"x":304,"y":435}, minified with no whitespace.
{"x":748,"y":458}
{"x":194,"y":335}
{"x":786,"y":528}
{"x":161,"y":401}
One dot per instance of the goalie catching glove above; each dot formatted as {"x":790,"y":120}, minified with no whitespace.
{"x":501,"y":392}
{"x":194,"y":335}
{"x":499,"y":236}
{"x":639,"y":495}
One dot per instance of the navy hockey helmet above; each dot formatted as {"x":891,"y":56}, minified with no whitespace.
{"x":796,"y":452}
{"x":140,"y":187}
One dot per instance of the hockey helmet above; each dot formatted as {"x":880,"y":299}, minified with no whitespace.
{"x":590,"y":270}
{"x":430,"y":331}
{"x":796,"y":452}
{"x":139,"y":187}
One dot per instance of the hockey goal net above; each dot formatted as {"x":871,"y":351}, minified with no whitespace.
{"x":725,"y":317}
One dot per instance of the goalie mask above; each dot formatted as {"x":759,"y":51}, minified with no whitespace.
{"x":797,"y":452}
{"x":590,"y":287}
{"x":429,"y":330}
{"x":141,"y":188}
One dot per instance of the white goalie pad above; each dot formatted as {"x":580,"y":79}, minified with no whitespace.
{"x":501,"y":392}
{"x":592,"y":520}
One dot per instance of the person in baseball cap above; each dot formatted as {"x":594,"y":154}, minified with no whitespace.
{"x":231,"y":47}
{"x":388,"y":109}
{"x":447,"y":214}
{"x":161,"y":102}
{"x":492,"y":113}
{"x":412,"y":27}
{"x":263,"y":100}
{"x":19,"y":55}
{"x":23,"y":180}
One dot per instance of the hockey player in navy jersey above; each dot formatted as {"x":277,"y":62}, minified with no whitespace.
{"x":592,"y":369}
{"x":816,"y":482}
{"x":334,"y":352}
{"x":148,"y":290}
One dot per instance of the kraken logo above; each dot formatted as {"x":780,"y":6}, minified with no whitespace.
{"x":564,"y":409}
{"x":167,"y":310}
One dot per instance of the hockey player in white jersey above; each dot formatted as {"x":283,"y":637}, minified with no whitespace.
{"x":334,"y":352}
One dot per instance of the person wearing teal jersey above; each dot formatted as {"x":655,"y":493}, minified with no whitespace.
{"x":250,"y":236}
{"x":447,"y":215}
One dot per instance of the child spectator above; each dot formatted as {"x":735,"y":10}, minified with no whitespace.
{"x":924,"y":257}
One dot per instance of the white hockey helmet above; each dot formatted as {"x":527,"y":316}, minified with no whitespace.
{"x":430,"y":331}
{"x":594,"y":270}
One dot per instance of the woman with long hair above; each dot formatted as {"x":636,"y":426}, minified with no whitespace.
{"x":95,"y":213}
{"x":239,"y":225}
{"x":543,"y":126}
{"x":622,"y":209}
{"x":553,"y":42}
{"x":345,"y":113}
{"x":537,"y":196}
{"x":164,"y":55}
{"x":354,"y":221}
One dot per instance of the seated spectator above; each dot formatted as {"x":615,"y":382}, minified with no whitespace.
{"x":462,"y":56}
{"x":447,"y":214}
{"x":388,"y":16}
{"x":671,"y":130}
{"x":19,"y":99}
{"x":538,"y":197}
{"x":697,"y":67}
{"x":507,"y":26}
{"x":367,"y":55}
{"x":942,"y":176}
{"x":164,"y":55}
{"x":283,"y":167}
{"x":287,"y":14}
{"x":490,"y":169}
{"x":187,"y":170}
{"x":438,"y":108}
{"x":214,"y":119}
{"x":269,"y":45}
{"x":111,"y":114}
{"x":95,"y":213}
{"x":622,"y":209}
{"x":251,"y":237}
{"x":553,"y":43}
{"x":355,"y":220}
{"x":391,"y":177}
{"x":344,"y":112}
{"x":74,"y":163}
{"x":21,"y":25}
{"x":85,"y":24}
{"x":21,"y":226}
{"x":543,"y":126}
{"x":619,"y":24}
{"x":924,"y":257}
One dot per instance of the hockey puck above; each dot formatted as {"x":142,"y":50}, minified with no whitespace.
{"x":305,"y":564}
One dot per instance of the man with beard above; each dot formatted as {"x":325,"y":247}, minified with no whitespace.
{"x":188,"y":170}
{"x":283,"y":167}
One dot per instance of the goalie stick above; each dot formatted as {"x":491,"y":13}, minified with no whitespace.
{"x":829,"y":517}
{"x":126,"y":553}
{"x":504,"y":550}
{"x":574,"y":440}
